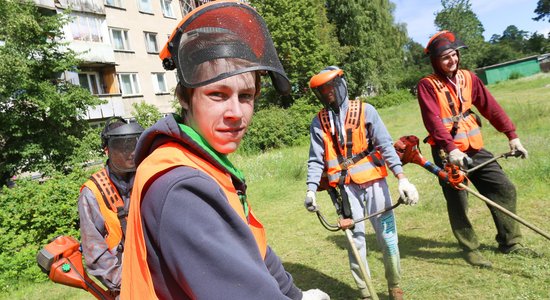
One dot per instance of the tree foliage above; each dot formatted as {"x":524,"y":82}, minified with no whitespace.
{"x":304,"y":41}
{"x":146,"y":114}
{"x":39,"y":112}
{"x":375,"y":43}
{"x":542,"y":10}
{"x":458,"y":17}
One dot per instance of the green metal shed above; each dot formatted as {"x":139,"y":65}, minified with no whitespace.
{"x":525,"y":67}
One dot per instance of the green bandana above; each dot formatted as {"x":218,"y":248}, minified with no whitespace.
{"x":220,"y":158}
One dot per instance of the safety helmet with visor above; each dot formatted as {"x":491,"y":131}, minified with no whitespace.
{"x":120,"y":139}
{"x":220,"y":30}
{"x":330,"y":88}
{"x":441,"y":42}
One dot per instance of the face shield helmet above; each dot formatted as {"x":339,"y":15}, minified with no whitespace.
{"x":120,"y":139}
{"x":330,"y":88}
{"x":441,"y":42}
{"x":215,"y":33}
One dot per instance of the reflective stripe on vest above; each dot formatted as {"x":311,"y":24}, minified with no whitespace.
{"x":136,"y":277}
{"x":368,"y":168}
{"x":468,"y":134}
{"x":107,"y":193}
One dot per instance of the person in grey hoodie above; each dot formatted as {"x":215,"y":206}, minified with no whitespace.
{"x":192,"y":233}
{"x":352,"y":147}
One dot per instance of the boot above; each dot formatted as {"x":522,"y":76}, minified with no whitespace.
{"x":519,"y":249}
{"x":474,"y":258}
{"x":395,"y":293}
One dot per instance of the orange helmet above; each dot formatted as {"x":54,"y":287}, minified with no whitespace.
{"x":330,"y":87}
{"x":442,"y":41}
{"x":220,"y":30}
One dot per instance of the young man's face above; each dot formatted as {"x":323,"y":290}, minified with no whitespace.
{"x":221,"y":111}
{"x":121,"y":152}
{"x":448,"y":62}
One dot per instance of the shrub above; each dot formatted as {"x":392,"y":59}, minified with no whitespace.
{"x":146,"y":114}
{"x":275,"y":127}
{"x":31,"y":215}
{"x":390,"y":99}
{"x":515,"y":75}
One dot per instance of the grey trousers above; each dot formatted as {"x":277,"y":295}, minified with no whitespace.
{"x":366,"y":199}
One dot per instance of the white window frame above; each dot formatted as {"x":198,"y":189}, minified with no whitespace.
{"x":97,"y":82}
{"x":145,"y":6}
{"x":86,"y":27}
{"x":151,"y":37}
{"x":115,"y":3}
{"x":155,"y":76}
{"x":135,"y":88}
{"x":167,"y":9}
{"x":125,"y":39}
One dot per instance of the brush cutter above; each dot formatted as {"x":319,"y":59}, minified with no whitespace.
{"x":408,"y":150}
{"x":61,"y":259}
{"x":345,"y":223}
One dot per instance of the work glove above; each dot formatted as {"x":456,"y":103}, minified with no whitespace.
{"x":407,"y":191}
{"x":315,"y":294}
{"x":459,"y":158}
{"x":310,"y":202}
{"x":515,"y":145}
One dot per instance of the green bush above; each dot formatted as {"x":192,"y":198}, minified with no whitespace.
{"x":276,"y":127}
{"x":515,"y":75}
{"x":390,"y":99}
{"x":31,"y":215}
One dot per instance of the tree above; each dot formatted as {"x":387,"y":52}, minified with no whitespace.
{"x":40,"y":114}
{"x":514,"y":37}
{"x":374,"y":62}
{"x":458,"y":17}
{"x":542,"y":10}
{"x":146,"y":114}
{"x":304,"y":41}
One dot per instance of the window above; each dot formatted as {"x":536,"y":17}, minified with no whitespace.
{"x":86,"y":27}
{"x":159,"y":83}
{"x":167,"y":8}
{"x":151,"y":42}
{"x":129,"y":84}
{"x":119,"y":39}
{"x":145,"y":6}
{"x":90,"y":81}
{"x":115,"y":3}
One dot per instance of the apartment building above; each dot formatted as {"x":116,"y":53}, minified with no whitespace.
{"x":118,"y":42}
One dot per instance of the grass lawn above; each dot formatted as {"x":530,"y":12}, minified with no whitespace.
{"x":431,"y":262}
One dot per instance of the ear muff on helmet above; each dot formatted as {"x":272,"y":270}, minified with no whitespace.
{"x":217,"y":31}
{"x":441,"y":42}
{"x":329,"y":87}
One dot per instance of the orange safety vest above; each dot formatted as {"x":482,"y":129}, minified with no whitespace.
{"x":352,"y":161}
{"x":456,"y":115}
{"x":136,"y":278}
{"x":102,"y":187}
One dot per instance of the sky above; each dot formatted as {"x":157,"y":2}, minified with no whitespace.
{"x":495,"y":15}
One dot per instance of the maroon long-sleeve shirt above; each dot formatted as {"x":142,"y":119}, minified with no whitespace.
{"x":482,"y":99}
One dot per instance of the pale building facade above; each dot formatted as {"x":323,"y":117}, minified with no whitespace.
{"x":118,"y":42}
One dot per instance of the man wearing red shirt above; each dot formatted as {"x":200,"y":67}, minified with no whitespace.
{"x":445,"y":98}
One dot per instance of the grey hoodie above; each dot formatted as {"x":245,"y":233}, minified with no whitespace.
{"x":376,"y":131}
{"x":197,"y":245}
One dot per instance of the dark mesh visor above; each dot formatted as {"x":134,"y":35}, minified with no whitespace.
{"x":331,"y":93}
{"x":124,"y":144}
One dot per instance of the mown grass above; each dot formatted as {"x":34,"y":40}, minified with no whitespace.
{"x":431,"y":262}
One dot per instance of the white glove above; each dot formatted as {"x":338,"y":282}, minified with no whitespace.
{"x":457,"y":157}
{"x":310,"y":202}
{"x":515,"y":145}
{"x":315,"y":294}
{"x":407,"y":191}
